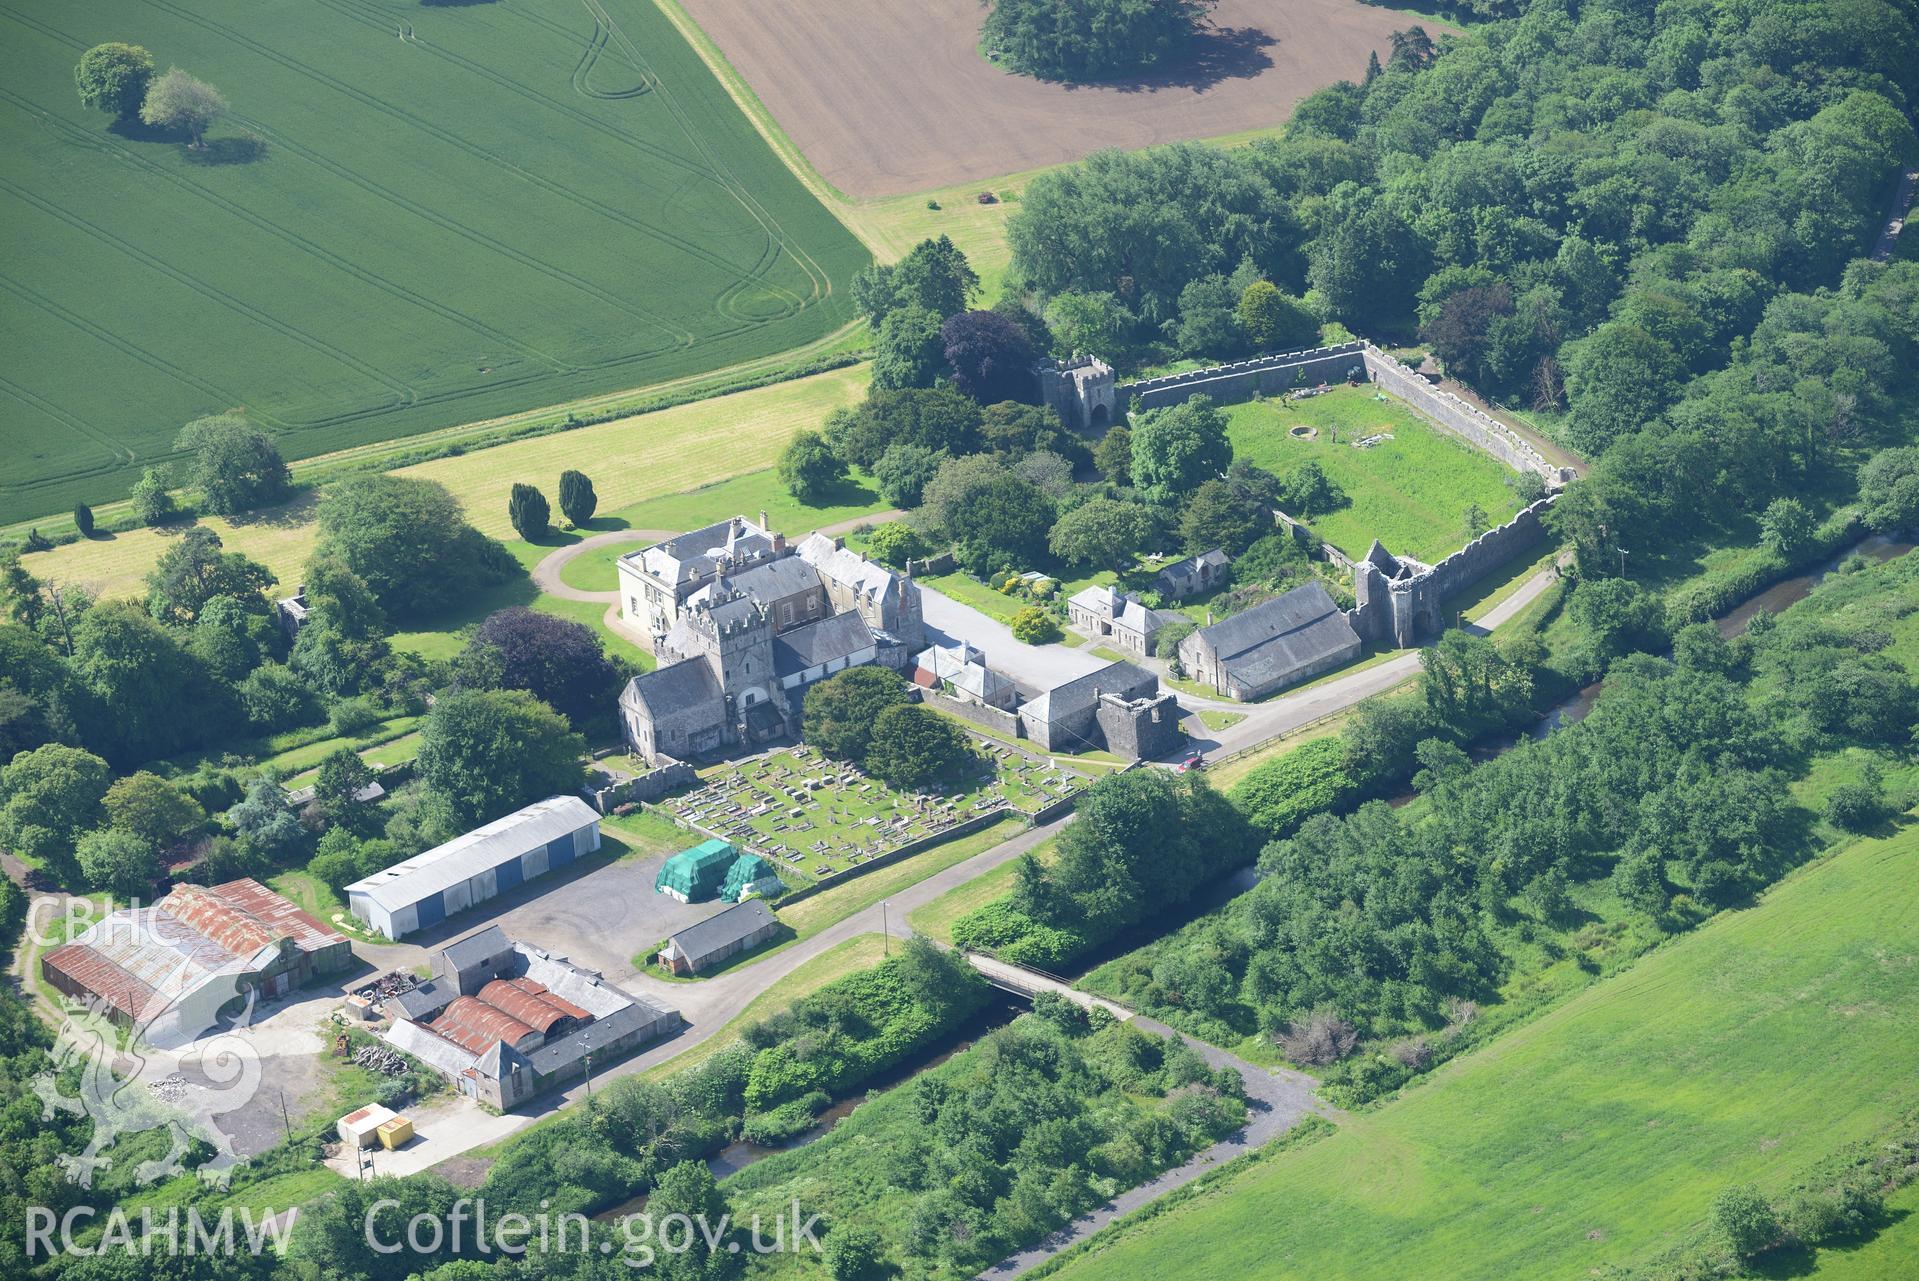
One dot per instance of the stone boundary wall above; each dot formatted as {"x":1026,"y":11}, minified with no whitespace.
{"x":1492,"y":549}
{"x":937,"y":563}
{"x":953,"y":833}
{"x":1267,"y":375}
{"x":1273,"y":375}
{"x":650,"y":786}
{"x":992,"y":718}
{"x":1476,"y":428}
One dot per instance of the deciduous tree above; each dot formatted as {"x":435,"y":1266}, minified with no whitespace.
{"x":113,"y":78}
{"x":178,"y":101}
{"x":236,"y":466}
{"x":1176,"y":449}
{"x":487,"y":752}
{"x":990,"y":356}
{"x":809,"y":468}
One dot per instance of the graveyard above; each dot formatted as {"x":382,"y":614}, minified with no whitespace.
{"x":818,"y":818}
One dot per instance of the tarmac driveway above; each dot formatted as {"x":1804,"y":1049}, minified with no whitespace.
{"x":597,"y":913}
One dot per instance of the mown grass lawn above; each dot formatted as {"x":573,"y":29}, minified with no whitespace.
{"x":1411,"y":492}
{"x":748,"y":496}
{"x":345,"y":285}
{"x":1600,"y":1133}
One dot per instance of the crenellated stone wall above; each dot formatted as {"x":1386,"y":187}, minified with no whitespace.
{"x":1405,"y":610}
{"x":1267,"y":375}
{"x":1276,"y":374}
{"x":1450,"y":413}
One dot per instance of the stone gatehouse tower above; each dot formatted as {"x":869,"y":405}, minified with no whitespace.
{"x":1080,"y":391}
{"x":1397,"y":598}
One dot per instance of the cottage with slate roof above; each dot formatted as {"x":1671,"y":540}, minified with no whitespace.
{"x":1194,"y":576}
{"x":1272,"y":645}
{"x":960,"y":671}
{"x":1106,"y":613}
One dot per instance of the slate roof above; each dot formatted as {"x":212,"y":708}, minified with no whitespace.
{"x":697,"y":553}
{"x":696,"y":942}
{"x":1181,"y":573}
{"x":473,"y":949}
{"x":1281,"y":636}
{"x":817,"y":644}
{"x":675,"y":688}
{"x":478,"y":1032}
{"x":769,"y":581}
{"x":964,"y":668}
{"x":1123,"y":679}
{"x":425,"y":1000}
{"x":870,"y":580}
{"x":1125,"y":611}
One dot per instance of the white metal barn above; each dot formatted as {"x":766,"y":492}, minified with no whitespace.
{"x":422,"y":891}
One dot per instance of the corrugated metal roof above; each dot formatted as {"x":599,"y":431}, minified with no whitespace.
{"x":531,"y":1003}
{"x":141,"y":960}
{"x":483,"y":848}
{"x":473,"y":1025}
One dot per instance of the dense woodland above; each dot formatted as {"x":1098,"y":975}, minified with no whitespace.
{"x":128,"y":728}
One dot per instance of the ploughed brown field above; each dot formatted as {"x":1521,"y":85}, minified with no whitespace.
{"x":887,"y":97}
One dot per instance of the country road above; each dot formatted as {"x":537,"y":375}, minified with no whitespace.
{"x":1289,"y":712}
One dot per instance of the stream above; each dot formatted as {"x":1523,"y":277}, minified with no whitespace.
{"x":1877,"y":548}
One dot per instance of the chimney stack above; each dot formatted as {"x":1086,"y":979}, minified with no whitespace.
{"x":764,"y":524}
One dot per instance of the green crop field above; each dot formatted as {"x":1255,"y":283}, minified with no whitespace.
{"x":1411,"y":492}
{"x":414,"y":216}
{"x":1744,"y":1053}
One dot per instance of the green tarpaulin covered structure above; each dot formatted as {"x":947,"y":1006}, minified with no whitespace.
{"x":695,"y":875}
{"x":750,"y":874}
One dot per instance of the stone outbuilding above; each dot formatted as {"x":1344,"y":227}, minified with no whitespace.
{"x":1194,"y":576}
{"x":1281,"y":642}
{"x":1119,"y":708}
{"x":505,"y":1021}
{"x":1108,"y":614}
{"x":960,"y":671}
{"x":702,"y":946}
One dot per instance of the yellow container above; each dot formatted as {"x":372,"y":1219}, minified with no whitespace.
{"x":395,"y":1133}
